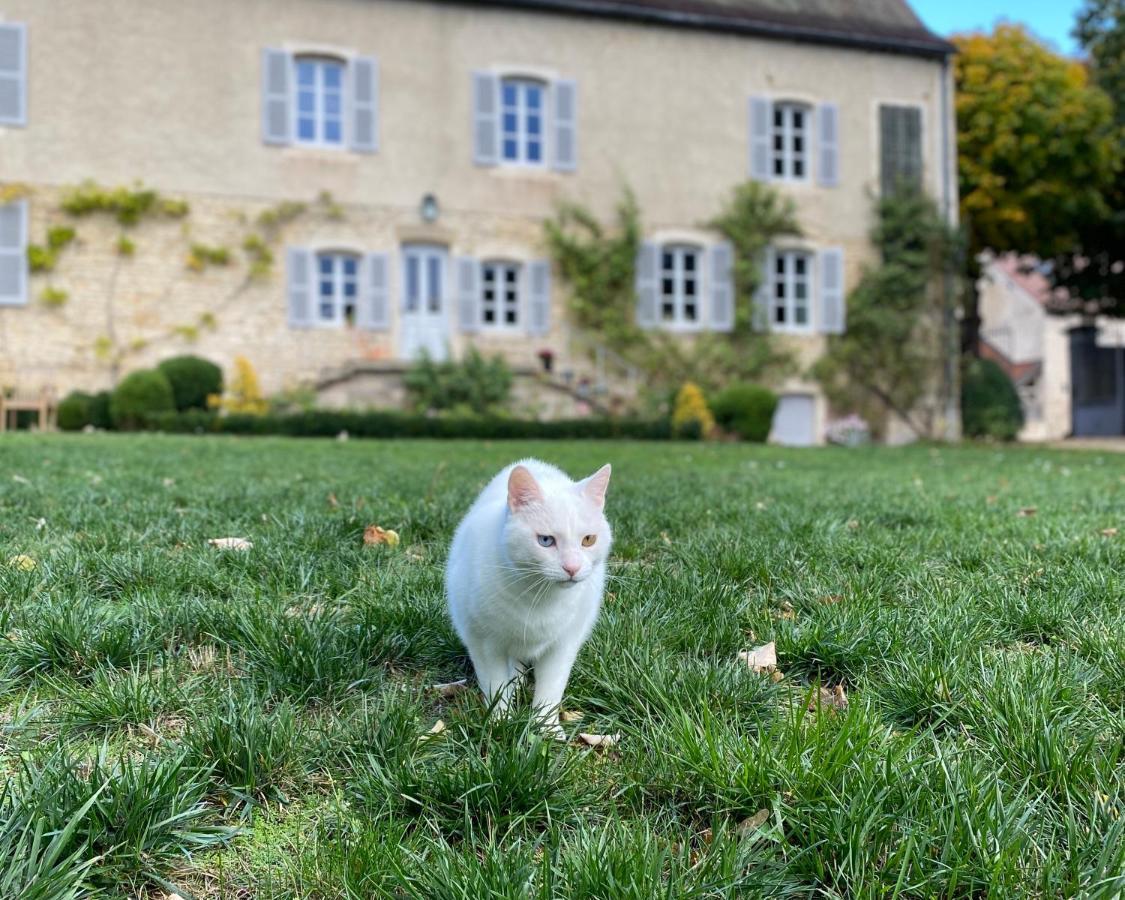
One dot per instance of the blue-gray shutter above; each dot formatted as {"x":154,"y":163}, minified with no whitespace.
{"x":900,"y":148}
{"x":299,"y":282}
{"x":647,"y":283}
{"x":486,"y":118}
{"x":722,"y":287}
{"x":277,"y":96}
{"x":365,"y":104}
{"x":375,"y":308}
{"x":832,"y":313}
{"x":761,"y":318}
{"x":760,"y":114}
{"x":13,"y":74}
{"x":468,"y":294}
{"x":828,"y":139}
{"x":13,"y":254}
{"x":539,"y":297}
{"x":566,"y":125}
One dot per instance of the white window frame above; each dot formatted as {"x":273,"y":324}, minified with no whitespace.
{"x":521,"y":135}
{"x":501,"y":303}
{"x":679,"y":251}
{"x":787,"y":280}
{"x":320,"y":60}
{"x":338,"y":282}
{"x":788,"y":154}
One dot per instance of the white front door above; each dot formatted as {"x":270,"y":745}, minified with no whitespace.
{"x":425,"y":306}
{"x":794,"y":422}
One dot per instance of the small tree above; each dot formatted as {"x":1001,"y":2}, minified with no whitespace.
{"x":244,"y":395}
{"x":691,"y":414}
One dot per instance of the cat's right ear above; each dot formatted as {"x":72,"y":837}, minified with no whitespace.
{"x":523,"y":489}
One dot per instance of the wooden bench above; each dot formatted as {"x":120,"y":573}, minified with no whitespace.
{"x":44,"y":406}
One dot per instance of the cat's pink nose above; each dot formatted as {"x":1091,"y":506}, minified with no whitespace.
{"x":571,"y":568}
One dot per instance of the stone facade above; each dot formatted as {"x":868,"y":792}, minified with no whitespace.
{"x":177,"y":105}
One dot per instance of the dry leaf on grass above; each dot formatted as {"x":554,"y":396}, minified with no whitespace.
{"x":853,"y":524}
{"x":332,"y":501}
{"x":601,"y":741}
{"x":830,"y":599}
{"x":756,"y":821}
{"x":760,"y":659}
{"x":1109,"y":532}
{"x":571,"y":715}
{"x":230,"y":543}
{"x":374,"y":534}
{"x":19,"y":479}
{"x":451,"y":688}
{"x":1027,"y":511}
{"x":834,"y":698}
{"x":23,"y":562}
{"x":438,"y":728}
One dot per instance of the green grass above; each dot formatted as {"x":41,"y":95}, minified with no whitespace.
{"x":232,"y":724}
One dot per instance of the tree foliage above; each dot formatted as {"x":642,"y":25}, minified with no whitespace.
{"x":885,"y":360}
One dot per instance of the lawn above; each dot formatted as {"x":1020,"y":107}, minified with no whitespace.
{"x":237,"y":724}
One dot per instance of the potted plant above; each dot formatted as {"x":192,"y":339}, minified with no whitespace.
{"x":547,"y":358}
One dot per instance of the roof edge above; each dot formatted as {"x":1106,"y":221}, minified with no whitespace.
{"x":932,"y":47}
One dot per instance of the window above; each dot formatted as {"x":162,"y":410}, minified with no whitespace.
{"x":500,"y":295}
{"x":791,"y":292}
{"x":320,"y":101}
{"x":522,"y":106}
{"x":336,"y":293}
{"x":900,"y":148}
{"x":790,"y":142}
{"x":679,"y":286}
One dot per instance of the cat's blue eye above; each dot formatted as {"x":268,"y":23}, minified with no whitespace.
{"x":546,"y":540}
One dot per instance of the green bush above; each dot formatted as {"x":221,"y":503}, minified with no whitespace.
{"x":473,"y":385}
{"x":138,"y":396}
{"x":745,"y":410}
{"x":329,"y":423}
{"x":990,"y":406}
{"x":193,"y":379}
{"x":99,"y":410}
{"x":74,"y":411}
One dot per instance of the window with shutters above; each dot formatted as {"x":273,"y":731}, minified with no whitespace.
{"x":337,"y":288}
{"x":319,"y":99}
{"x":680,"y":299}
{"x":13,"y":73}
{"x":791,"y":291}
{"x":900,"y":148}
{"x":789,"y":142}
{"x":500,"y":295}
{"x":522,"y":113}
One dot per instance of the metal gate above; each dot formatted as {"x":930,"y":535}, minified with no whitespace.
{"x":1097,"y":384}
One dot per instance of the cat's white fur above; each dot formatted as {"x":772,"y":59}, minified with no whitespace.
{"x":517,"y":604}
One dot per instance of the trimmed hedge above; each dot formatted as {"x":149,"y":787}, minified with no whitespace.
{"x":990,"y":406}
{"x":138,"y":396}
{"x":193,"y":380}
{"x":99,"y":410}
{"x":74,"y":411}
{"x":328,"y":423}
{"x":746,"y":410}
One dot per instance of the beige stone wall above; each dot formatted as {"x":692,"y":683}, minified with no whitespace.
{"x":168,"y":93}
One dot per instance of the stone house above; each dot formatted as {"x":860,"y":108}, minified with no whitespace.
{"x":369,"y":178}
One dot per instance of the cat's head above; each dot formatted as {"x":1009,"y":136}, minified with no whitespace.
{"x":557,"y":532}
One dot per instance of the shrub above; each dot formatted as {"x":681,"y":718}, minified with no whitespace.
{"x":690,"y":413}
{"x":99,"y":410}
{"x":745,"y":410}
{"x":138,"y":396}
{"x":74,"y":411}
{"x":193,"y":380}
{"x":245,"y":393}
{"x":475,"y":384}
{"x":990,"y":406}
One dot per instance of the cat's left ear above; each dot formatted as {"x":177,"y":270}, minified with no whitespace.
{"x":596,"y":485}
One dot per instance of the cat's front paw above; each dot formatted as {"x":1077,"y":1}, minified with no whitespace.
{"x":554,"y":730}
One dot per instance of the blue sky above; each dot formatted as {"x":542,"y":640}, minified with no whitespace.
{"x":1049,"y":19}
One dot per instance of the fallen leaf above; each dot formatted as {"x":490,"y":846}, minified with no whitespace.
{"x":664,"y":537}
{"x":834,"y":698}
{"x":451,"y":688}
{"x":853,"y":524}
{"x":19,"y":479}
{"x":438,"y":728}
{"x":169,"y":482}
{"x":571,"y":715}
{"x":23,"y":562}
{"x":374,"y":534}
{"x":756,"y":821}
{"x":332,"y":501}
{"x":760,"y":659}
{"x":230,"y":543}
{"x":829,"y":599}
{"x":1109,"y":532}
{"x":776,"y":676}
{"x":1027,"y":511}
{"x":599,"y":740}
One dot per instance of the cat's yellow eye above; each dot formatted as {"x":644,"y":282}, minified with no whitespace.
{"x":588,"y":541}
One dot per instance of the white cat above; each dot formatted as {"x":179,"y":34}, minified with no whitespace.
{"x":525,"y":578}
